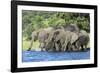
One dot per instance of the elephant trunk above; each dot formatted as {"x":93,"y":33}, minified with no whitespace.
{"x":30,"y":45}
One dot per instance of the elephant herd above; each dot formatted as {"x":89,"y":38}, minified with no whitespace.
{"x":68,"y":38}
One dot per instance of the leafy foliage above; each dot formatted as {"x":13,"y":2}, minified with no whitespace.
{"x":34,"y":20}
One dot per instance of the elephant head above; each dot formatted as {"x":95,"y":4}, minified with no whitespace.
{"x":41,"y":35}
{"x":55,"y":39}
{"x":72,"y":28}
{"x":34,"y":36}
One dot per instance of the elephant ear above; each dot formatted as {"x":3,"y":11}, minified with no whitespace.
{"x":59,"y":34}
{"x":74,"y":37}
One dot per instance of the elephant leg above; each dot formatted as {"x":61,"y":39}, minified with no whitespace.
{"x":30,"y":45}
{"x":69,"y":47}
{"x":42,"y":46}
{"x":75,"y":46}
{"x":65,"y":45}
{"x":57,"y":47}
{"x":82,"y":47}
{"x":85,"y":47}
{"x":62,"y":47}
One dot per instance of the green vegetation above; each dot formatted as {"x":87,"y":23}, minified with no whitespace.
{"x":34,"y":20}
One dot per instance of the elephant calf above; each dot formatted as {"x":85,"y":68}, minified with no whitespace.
{"x":82,"y":41}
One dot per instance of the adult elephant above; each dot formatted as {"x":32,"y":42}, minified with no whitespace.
{"x":73,"y":31}
{"x":62,"y":38}
{"x":53,"y":41}
{"x":41,"y":35}
{"x":67,"y":36}
{"x":73,"y":37}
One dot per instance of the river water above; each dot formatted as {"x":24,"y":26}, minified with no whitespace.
{"x":37,"y":56}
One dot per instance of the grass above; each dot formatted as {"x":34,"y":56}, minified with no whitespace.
{"x":26,"y":44}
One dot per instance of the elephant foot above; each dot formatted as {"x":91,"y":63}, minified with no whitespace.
{"x":75,"y":50}
{"x":69,"y":50}
{"x":83,"y":49}
{"x":43,"y":50}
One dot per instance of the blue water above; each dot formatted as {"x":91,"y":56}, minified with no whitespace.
{"x":37,"y":56}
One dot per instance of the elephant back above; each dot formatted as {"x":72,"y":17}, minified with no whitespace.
{"x":72,"y":28}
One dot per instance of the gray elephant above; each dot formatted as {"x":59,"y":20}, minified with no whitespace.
{"x":82,"y":41}
{"x":68,"y":37}
{"x":52,"y":42}
{"x":72,"y":28}
{"x":62,"y":38}
{"x":72,"y":39}
{"x":41,"y":35}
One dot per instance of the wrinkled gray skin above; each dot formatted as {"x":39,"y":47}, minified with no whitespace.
{"x":74,"y":35}
{"x":68,"y":38}
{"x":80,"y":38}
{"x":82,"y":41}
{"x":40,"y":35}
{"x":50,"y":46}
{"x":60,"y":39}
{"x":43,"y":35}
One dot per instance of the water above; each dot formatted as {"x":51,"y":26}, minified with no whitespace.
{"x":37,"y":56}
